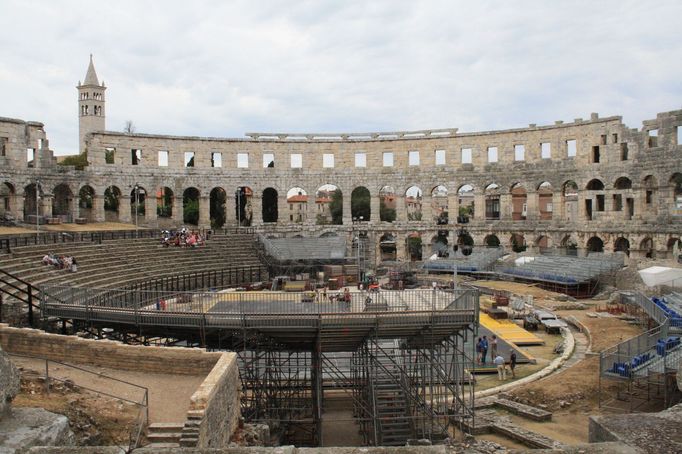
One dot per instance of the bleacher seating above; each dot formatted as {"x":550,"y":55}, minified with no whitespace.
{"x":672,"y":306}
{"x":646,"y":359}
{"x":117,"y":263}
{"x":480,"y":259}
{"x":565,"y":269}
{"x":310,"y":248}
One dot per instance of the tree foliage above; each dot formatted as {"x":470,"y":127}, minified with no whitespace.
{"x":386,"y":214}
{"x":336,"y":207}
{"x":79,"y":161}
{"x":360,"y":203}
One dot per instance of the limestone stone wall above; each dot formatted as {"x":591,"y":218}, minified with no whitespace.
{"x":629,"y":195}
{"x":214,"y":409}
{"x":103,"y":353}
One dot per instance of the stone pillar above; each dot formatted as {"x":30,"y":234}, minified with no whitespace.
{"x":533,"y":206}
{"x":46,"y":205}
{"x":582,"y":212}
{"x":427,"y":212}
{"x":256,"y":209}
{"x":506,"y":206}
{"x":400,"y":209}
{"x":479,"y":206}
{"x":558,"y":206}
{"x":311,"y":210}
{"x":74,"y":209}
{"x":98,"y":208}
{"x":453,"y":207}
{"x":17,"y":208}
{"x":150,"y":216}
{"x":282,"y":209}
{"x":400,"y":247}
{"x":231,"y":209}
{"x":347,"y":214}
{"x":178,"y":211}
{"x":204,"y":212}
{"x":375,"y":208}
{"x":426,"y":249}
{"x":124,"y":209}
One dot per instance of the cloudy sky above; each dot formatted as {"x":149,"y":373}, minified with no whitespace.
{"x":218,"y":68}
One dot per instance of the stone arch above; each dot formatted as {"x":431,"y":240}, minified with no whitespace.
{"x":465,"y":243}
{"x":413,"y":203}
{"x":517,"y":242}
{"x":674,"y":247}
{"x":7,"y":199}
{"x":439,"y":245}
{"x":297,"y":199}
{"x":190,"y":206}
{"x":216,"y":207}
{"x":569,"y":198}
{"x":491,"y":240}
{"x":622,"y":245}
{"x":646,"y":248}
{"x":543,"y":242}
{"x":569,"y":244}
{"x":595,"y":244}
{"x":329,"y":205}
{"x":243,"y":208}
{"x":112,"y":198}
{"x":360,"y":206}
{"x":545,"y":201}
{"x":270,"y":209}
{"x":622,"y":183}
{"x":465,"y":201}
{"x":492,"y":201}
{"x":329,"y":234}
{"x":519,"y":197}
{"x":387,"y":204}
{"x":414,"y":247}
{"x":86,"y":200}
{"x":676,"y":186}
{"x":164,"y":202}
{"x":62,"y":201}
{"x":594,"y":184}
{"x":439,"y":204}
{"x":138,"y":195}
{"x":32,"y":205}
{"x":387,"y":247}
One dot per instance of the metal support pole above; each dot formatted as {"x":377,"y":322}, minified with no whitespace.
{"x":37,"y":208}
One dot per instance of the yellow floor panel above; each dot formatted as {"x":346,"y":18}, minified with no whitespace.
{"x":509,"y":331}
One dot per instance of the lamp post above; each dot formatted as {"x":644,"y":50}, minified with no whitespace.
{"x":239,"y":208}
{"x":358,"y":244}
{"x":137,"y":207}
{"x":37,"y":208}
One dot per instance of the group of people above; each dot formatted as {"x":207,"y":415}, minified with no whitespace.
{"x":182,"y":238}
{"x":482,"y":346}
{"x":61,"y":262}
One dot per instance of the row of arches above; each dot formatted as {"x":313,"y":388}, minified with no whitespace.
{"x":326,"y":205}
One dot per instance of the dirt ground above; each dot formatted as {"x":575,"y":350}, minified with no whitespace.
{"x":96,"y":420}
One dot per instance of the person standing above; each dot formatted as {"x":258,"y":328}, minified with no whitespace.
{"x":479,"y":350}
{"x":512,"y":363}
{"x":484,"y":349}
{"x":493,"y":347}
{"x":501,"y":369}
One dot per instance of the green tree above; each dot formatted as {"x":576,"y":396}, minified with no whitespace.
{"x":386,"y":214}
{"x":359,"y":203}
{"x":190,"y":213}
{"x":218,"y":199}
{"x":336,"y":207}
{"x":79,"y":161}
{"x":414,"y":246}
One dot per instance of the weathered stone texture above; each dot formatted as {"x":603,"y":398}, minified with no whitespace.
{"x":29,"y":427}
{"x":10,"y":382}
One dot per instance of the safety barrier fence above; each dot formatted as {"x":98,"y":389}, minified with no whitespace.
{"x":234,"y":309}
{"x":637,"y":353}
{"x":7,"y":242}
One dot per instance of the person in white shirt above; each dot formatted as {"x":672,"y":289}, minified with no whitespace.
{"x":501,"y":369}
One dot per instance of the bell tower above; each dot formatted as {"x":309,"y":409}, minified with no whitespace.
{"x":90,"y":105}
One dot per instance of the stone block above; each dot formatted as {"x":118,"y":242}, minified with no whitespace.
{"x":10,"y":382}
{"x":28,"y":427}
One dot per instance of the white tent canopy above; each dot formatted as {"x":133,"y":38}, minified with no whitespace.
{"x":662,"y":275}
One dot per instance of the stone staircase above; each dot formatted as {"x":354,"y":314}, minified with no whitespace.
{"x":391,"y":403}
{"x":164,"y":435}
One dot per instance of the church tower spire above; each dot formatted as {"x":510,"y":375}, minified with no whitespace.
{"x":91,"y":116}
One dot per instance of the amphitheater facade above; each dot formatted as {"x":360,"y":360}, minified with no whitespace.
{"x":591,"y":184}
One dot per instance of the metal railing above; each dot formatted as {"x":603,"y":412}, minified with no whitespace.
{"x":22,"y":291}
{"x":143,"y":412}
{"x":7,"y":242}
{"x":626,"y":351}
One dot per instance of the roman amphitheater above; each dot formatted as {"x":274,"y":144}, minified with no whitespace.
{"x":457,"y":233}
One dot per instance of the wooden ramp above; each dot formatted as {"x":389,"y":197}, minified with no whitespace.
{"x":509,"y":331}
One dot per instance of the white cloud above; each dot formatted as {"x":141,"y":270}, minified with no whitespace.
{"x":225,"y":68}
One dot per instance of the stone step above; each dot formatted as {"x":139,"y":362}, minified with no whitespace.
{"x":164,"y":437}
{"x":162,"y":445}
{"x":527,"y":437}
{"x":526,"y":411}
{"x":158,"y":427}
